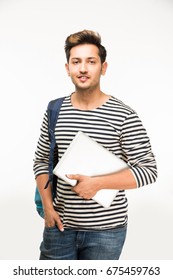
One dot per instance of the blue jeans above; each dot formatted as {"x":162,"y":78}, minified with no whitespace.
{"x":82,"y":245}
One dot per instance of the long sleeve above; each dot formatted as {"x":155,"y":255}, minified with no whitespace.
{"x":41,"y":160}
{"x":137,"y":150}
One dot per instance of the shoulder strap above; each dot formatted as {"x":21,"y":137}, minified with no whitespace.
{"x":53,"y":110}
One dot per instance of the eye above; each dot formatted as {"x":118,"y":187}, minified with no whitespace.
{"x":75,"y":62}
{"x":92,"y":62}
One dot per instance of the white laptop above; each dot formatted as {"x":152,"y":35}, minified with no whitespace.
{"x":87,"y":157}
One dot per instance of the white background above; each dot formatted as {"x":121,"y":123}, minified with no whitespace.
{"x":138,"y":35}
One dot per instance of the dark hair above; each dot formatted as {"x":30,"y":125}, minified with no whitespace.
{"x":84,"y":37}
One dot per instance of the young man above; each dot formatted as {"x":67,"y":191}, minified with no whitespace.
{"x":76,"y":227}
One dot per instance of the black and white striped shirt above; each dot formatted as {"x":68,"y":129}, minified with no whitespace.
{"x":118,"y":128}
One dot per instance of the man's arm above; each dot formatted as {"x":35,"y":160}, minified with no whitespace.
{"x":87,"y":186}
{"x":41,"y":169}
{"x":136,"y":148}
{"x":50,"y":215}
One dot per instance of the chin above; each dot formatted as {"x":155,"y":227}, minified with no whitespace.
{"x":84,"y":87}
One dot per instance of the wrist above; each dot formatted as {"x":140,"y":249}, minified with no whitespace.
{"x":48,"y":206}
{"x":98,"y":182}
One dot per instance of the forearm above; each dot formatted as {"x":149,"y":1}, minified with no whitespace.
{"x":87,"y":186}
{"x":46,"y":194}
{"x":122,"y":180}
{"x":50,"y":215}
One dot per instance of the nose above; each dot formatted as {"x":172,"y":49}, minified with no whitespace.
{"x":83,"y":67}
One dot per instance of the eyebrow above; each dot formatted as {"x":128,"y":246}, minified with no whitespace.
{"x":92,"y":57}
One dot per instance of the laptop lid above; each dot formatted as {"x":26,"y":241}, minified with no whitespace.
{"x":87,"y":157}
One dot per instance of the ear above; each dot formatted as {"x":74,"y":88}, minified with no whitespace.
{"x":67,"y":69}
{"x":104,"y":68}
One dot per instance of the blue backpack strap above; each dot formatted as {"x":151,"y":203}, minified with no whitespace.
{"x":53,"y":110}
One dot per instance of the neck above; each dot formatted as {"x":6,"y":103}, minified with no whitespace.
{"x":88,"y":100}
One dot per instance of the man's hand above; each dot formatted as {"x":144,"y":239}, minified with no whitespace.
{"x":86,"y":186}
{"x":52,"y":219}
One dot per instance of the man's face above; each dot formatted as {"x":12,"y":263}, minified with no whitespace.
{"x":85,"y":67}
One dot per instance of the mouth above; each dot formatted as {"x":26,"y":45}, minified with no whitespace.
{"x":83,"y":78}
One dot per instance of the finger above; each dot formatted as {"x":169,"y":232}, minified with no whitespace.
{"x":74,"y":176}
{"x":49,"y":224}
{"x":59,"y":224}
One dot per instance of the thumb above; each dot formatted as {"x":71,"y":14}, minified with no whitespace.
{"x":74,"y":176}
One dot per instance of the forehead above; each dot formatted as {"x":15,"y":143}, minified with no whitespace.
{"x":84,"y":51}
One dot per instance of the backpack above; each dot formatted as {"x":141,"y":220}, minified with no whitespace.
{"x":53,"y":110}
